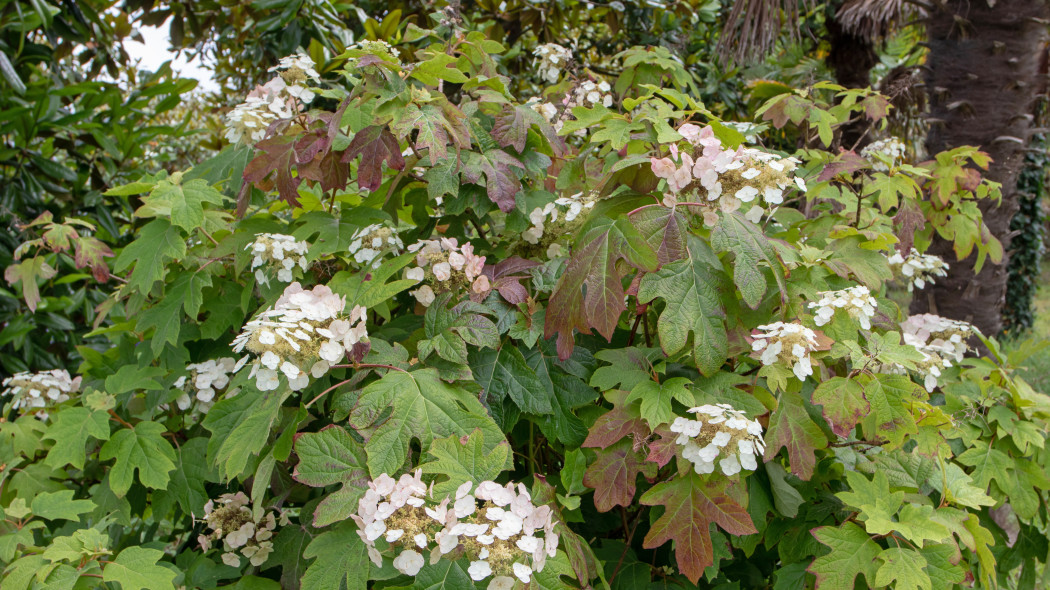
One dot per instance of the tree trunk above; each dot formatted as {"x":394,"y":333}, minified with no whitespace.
{"x":982,"y":80}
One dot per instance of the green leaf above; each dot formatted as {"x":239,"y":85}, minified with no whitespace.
{"x":331,"y":457}
{"x":191,"y":475}
{"x":689,"y":289}
{"x":852,"y":553}
{"x":183,"y":202}
{"x":504,"y":373}
{"x":157,"y":244}
{"x":791,"y":427}
{"x":439,"y":66}
{"x":656,"y":399}
{"x":566,"y":391}
{"x":136,"y":569}
{"x":463,"y":459}
{"x":166,"y":318}
{"x":449,"y":330}
{"x":843,"y":402}
{"x":341,"y":560}
{"x":751,"y":250}
{"x":616,"y":130}
{"x":23,"y":435}
{"x":241,"y":426}
{"x":143,"y":449}
{"x":690,"y":506}
{"x":590,"y":293}
{"x":961,"y":490}
{"x":905,"y":567}
{"x":421,"y":407}
{"x":435,"y":130}
{"x":131,"y":378}
{"x":891,"y":397}
{"x":60,"y":506}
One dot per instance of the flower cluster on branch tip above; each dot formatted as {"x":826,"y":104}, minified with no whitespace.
{"x":719,"y":430}
{"x":369,"y":245}
{"x":232,"y":521}
{"x":204,"y":382}
{"x":277,"y":252}
{"x":789,"y":344}
{"x":857,"y":302}
{"x":445,"y":266}
{"x":35,"y":393}
{"x":279,"y":98}
{"x":918,"y":269}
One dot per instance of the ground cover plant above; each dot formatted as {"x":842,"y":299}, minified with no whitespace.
{"x":412,"y":330}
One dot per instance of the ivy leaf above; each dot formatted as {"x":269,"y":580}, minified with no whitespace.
{"x":157,"y":244}
{"x":852,"y":553}
{"x":501,"y":184}
{"x":331,"y":457}
{"x":655,"y":398}
{"x":140,"y":448}
{"x":28,"y":272}
{"x":689,"y":289}
{"x":690,"y":506}
{"x":70,"y":429}
{"x":375,"y":144}
{"x":590,"y":293}
{"x":60,"y":506}
{"x":420,"y":407}
{"x":613,"y":474}
{"x":341,"y":560}
{"x":791,"y":427}
{"x":136,"y":569}
{"x":463,"y":459}
{"x":843,"y":402}
{"x":905,"y":567}
{"x":752,"y":251}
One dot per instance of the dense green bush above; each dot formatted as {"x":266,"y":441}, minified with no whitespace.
{"x":672,"y":352}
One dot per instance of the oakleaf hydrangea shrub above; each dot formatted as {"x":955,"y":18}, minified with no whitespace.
{"x":646,"y":349}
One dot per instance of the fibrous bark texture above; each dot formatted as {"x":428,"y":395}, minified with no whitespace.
{"x":982,"y":79}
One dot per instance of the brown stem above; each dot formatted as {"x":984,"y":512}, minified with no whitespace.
{"x":122,"y":421}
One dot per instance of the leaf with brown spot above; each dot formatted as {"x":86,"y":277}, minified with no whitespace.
{"x":690,"y":506}
{"x":613,"y":474}
{"x":614,"y":425}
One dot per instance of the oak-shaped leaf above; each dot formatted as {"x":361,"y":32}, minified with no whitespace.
{"x":614,"y":473}
{"x":27,"y":272}
{"x":510,"y":128}
{"x":136,"y":569}
{"x":691,"y":504}
{"x":581,"y":556}
{"x":501,"y":183}
{"x":90,"y":252}
{"x":566,"y":390}
{"x":590,"y":294}
{"x":852,"y":553}
{"x":331,"y":457}
{"x":449,"y":330}
{"x":375,"y":144}
{"x":70,"y":429}
{"x":791,"y":427}
{"x":158,"y":243}
{"x":614,"y":425}
{"x":752,"y":251}
{"x":141,"y":449}
{"x":843,"y":402}
{"x":506,"y":276}
{"x":435,"y":127}
{"x":504,"y":374}
{"x":340,"y":560}
{"x":690,"y":290}
{"x":465,"y":458}
{"x":665,"y":229}
{"x":278,"y":156}
{"x":402,"y":407}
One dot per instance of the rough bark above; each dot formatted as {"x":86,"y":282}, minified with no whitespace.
{"x":982,"y":80}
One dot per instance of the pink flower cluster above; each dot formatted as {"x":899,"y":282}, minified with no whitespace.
{"x":445,"y":265}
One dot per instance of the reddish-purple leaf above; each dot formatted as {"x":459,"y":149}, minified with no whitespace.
{"x":690,"y":506}
{"x":328,"y":170}
{"x":590,"y":293}
{"x":844,"y":163}
{"x":613,"y":475}
{"x":662,"y":449}
{"x":790,"y":427}
{"x":375,"y":145}
{"x":665,"y":230}
{"x":278,"y":156}
{"x":613,"y":426}
{"x":501,"y":184}
{"x":511,"y":128}
{"x":843,"y":402}
{"x":90,"y":252}
{"x":310,"y":145}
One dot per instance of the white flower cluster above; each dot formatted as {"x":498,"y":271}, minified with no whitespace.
{"x":587,"y":93}
{"x":789,"y":344}
{"x":231,"y":520}
{"x":727,"y":179}
{"x":556,"y":221}
{"x":748,"y":130}
{"x":204,"y":382}
{"x":303,"y":334}
{"x":719,"y":430}
{"x":945,"y":336}
{"x":280,"y":252}
{"x":885,"y":153}
{"x":552,"y":61}
{"x":35,"y":393}
{"x":445,"y":266}
{"x":497,"y":527}
{"x":370,"y":244}
{"x":277,"y":99}
{"x":857,"y":302}
{"x":918,"y":269}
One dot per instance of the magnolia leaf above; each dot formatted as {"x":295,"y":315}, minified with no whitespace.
{"x":613,"y":474}
{"x":420,"y":407}
{"x":791,"y":427}
{"x":690,"y":290}
{"x":590,"y":293}
{"x":70,"y":429}
{"x":330,"y":457}
{"x":141,"y":448}
{"x":690,"y":506}
{"x":136,"y":569}
{"x":465,"y":458}
{"x":852,"y":553}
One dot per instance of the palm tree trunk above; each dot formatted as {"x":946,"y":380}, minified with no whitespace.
{"x":982,"y":79}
